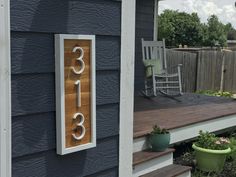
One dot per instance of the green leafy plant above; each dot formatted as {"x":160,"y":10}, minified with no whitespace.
{"x":215,"y":93}
{"x":232,"y":145}
{"x":210,"y":141}
{"x":158,"y":130}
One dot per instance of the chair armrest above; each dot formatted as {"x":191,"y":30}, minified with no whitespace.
{"x":176,"y":66}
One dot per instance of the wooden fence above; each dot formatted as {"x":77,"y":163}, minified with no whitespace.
{"x":203,"y":70}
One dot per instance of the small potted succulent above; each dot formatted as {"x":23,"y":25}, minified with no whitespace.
{"x":211,"y":152}
{"x":159,"y":139}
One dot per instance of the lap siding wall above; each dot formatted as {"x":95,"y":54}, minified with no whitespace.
{"x":33,"y":25}
{"x":144,"y":29}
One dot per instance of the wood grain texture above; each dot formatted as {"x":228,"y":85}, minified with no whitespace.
{"x":168,"y":171}
{"x":209,"y":70}
{"x":188,"y":69}
{"x":191,"y":109}
{"x":104,"y":156}
{"x":76,"y":17}
{"x":230,"y":72}
{"x":35,"y":93}
{"x":41,"y":47}
{"x":71,"y":94}
{"x":36,"y":133}
{"x":144,"y":156}
{"x":205,"y":69}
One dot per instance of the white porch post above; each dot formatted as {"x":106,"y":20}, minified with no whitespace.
{"x":127,"y":87}
{"x":5,"y":91}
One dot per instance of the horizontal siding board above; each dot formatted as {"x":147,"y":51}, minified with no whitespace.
{"x":108,"y":173}
{"x":87,"y":162}
{"x":144,"y":24}
{"x":148,"y":32}
{"x":108,"y":87}
{"x":37,"y":132}
{"x":141,"y":3}
{"x":107,"y":52}
{"x":33,"y":25}
{"x":145,"y":9}
{"x":35,"y":93}
{"x":77,"y":17}
{"x":144,"y":17}
{"x":34,"y":53}
{"x":144,"y":29}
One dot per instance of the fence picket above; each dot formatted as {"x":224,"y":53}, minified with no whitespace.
{"x":202,"y":70}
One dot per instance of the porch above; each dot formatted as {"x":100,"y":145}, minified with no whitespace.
{"x":183,"y":118}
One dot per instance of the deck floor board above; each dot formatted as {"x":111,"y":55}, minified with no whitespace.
{"x":170,"y":114}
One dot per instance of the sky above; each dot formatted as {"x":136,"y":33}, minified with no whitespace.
{"x":224,"y":9}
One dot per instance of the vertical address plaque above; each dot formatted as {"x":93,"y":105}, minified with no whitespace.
{"x":75,"y":92}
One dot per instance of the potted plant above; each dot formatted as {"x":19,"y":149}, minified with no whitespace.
{"x":211,"y":152}
{"x":159,"y":139}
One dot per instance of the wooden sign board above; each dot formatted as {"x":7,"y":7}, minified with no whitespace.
{"x":75,"y":92}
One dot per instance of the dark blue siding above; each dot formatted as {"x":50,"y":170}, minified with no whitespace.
{"x":33,"y":25}
{"x":30,"y":53}
{"x":66,"y":16}
{"x":83,"y":163}
{"x":36,"y":132}
{"x":144,"y":29}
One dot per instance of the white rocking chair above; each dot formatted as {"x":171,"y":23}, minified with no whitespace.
{"x":157,"y":77}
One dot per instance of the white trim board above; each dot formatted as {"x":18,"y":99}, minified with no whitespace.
{"x":5,"y":90}
{"x":127,"y":87}
{"x":191,"y":131}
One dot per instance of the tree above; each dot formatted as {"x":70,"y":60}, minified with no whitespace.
{"x":231,"y":35}
{"x":216,"y":32}
{"x":186,"y":29}
{"x":230,"y":31}
{"x":180,"y":28}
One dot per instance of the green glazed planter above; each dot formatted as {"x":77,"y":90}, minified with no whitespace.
{"x":210,"y":160}
{"x":159,"y":142}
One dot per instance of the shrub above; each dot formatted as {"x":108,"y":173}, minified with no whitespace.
{"x":215,"y":93}
{"x":210,"y":141}
{"x":233,"y":148}
{"x":158,"y":130}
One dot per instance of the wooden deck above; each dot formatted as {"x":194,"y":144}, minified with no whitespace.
{"x":170,"y":114}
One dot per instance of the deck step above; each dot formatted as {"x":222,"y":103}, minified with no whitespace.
{"x":170,"y":171}
{"x":147,"y":161}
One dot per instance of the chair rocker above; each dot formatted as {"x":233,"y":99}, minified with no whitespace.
{"x":157,"y":78}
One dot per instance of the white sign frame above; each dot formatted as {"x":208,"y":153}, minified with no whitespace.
{"x":60,"y":93}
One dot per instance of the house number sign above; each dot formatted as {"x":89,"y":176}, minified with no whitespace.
{"x":75,"y":92}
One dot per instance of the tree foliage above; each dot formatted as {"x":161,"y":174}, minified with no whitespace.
{"x":180,"y":28}
{"x":216,"y":34}
{"x":186,"y":29}
{"x":231,"y":34}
